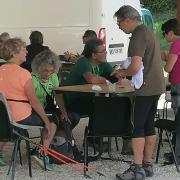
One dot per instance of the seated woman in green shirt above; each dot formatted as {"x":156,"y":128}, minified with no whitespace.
{"x":45,"y":67}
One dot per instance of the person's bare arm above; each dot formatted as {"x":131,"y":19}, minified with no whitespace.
{"x":131,"y":70}
{"x":94,"y":79}
{"x":135,"y":66}
{"x":33,"y":100}
{"x":71,"y":57}
{"x":163,"y":56}
{"x":60,"y":102}
{"x":170,"y":62}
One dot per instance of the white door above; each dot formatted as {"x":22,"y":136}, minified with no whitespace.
{"x":116,"y":45}
{"x":116,"y":40}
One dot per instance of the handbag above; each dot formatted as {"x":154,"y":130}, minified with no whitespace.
{"x":50,"y":105}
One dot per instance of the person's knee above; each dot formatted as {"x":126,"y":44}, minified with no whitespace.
{"x":150,"y":139}
{"x":138,"y":132}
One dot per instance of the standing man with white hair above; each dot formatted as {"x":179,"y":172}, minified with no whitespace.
{"x":143,"y":48}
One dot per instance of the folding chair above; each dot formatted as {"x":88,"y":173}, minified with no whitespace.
{"x":169,"y":126}
{"x":111,"y":118}
{"x":6,"y":134}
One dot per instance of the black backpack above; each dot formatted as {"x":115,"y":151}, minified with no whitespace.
{"x":64,"y":143}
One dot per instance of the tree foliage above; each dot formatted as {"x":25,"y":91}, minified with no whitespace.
{"x":158,"y":6}
{"x":162,"y":10}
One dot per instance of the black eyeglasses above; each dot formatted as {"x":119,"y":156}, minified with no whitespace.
{"x":104,"y":52}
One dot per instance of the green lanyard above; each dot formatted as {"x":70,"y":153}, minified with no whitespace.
{"x":95,"y":70}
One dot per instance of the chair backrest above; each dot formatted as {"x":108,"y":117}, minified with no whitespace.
{"x":5,"y":120}
{"x":64,"y":72}
{"x":63,"y":76}
{"x":111,"y":116}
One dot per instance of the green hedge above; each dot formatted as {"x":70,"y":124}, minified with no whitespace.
{"x":159,"y":5}
{"x":162,"y":10}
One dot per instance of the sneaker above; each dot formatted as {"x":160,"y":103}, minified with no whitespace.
{"x":133,"y":173}
{"x":2,"y":162}
{"x":148,"y":168}
{"x":40,"y":160}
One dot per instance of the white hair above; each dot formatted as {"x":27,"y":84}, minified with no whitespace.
{"x":44,"y":58}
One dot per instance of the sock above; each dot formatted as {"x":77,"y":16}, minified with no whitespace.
{"x":137,"y":165}
{"x":147,"y":162}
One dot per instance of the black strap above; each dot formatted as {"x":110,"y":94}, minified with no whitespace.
{"x":44,"y":89}
{"x":42,"y":86}
{"x":23,"y":101}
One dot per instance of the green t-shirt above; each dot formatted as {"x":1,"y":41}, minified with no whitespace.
{"x":51,"y":83}
{"x":84,"y":65}
{"x":75,"y":77}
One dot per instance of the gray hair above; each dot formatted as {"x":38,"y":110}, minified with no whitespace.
{"x":128,"y":12}
{"x":3,"y":37}
{"x":10,"y":46}
{"x":44,"y":58}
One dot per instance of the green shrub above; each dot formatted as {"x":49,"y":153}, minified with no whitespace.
{"x":162,"y":10}
{"x":159,"y":5}
{"x":159,"y":19}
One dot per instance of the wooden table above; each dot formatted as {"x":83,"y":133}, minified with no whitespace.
{"x":124,"y":87}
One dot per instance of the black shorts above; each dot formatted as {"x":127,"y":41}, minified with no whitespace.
{"x":32,"y":120}
{"x":145,"y":108}
{"x":35,"y":120}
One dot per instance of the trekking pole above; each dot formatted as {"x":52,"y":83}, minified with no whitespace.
{"x":72,"y":160}
{"x":44,"y":149}
{"x":56,"y":154}
{"x":61,"y":160}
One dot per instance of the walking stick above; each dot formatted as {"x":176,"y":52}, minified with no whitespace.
{"x":60,"y":157}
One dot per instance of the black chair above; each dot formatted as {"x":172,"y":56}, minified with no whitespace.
{"x":63,"y":76}
{"x":7,"y":128}
{"x":169,"y":127}
{"x":64,"y":72}
{"x":111,"y":118}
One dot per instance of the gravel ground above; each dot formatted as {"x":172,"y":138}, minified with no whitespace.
{"x":107,"y":167}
